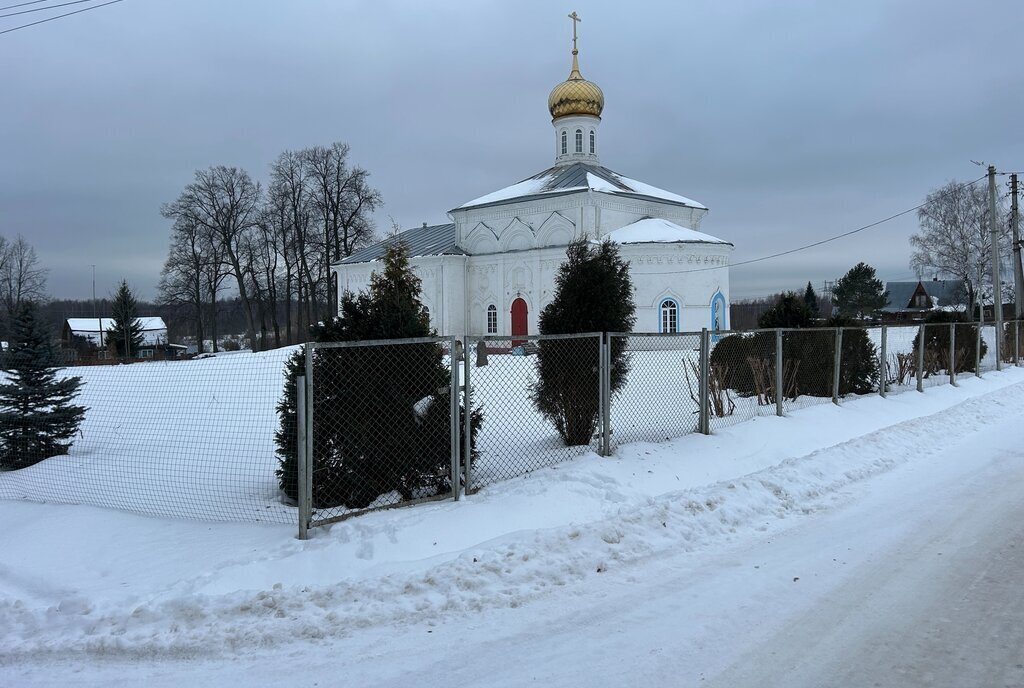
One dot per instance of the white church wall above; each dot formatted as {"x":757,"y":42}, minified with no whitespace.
{"x":509,"y":219}
{"x":500,"y":279}
{"x":615,"y":213}
{"x":442,"y":287}
{"x":677,"y":271}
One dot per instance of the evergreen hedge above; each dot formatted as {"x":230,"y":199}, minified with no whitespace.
{"x":593,"y":293}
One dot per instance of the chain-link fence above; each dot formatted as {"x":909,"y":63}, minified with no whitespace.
{"x":527,"y":424}
{"x":741,"y":377}
{"x":379,"y":422}
{"x":659,"y":397}
{"x":238,"y":437}
{"x":185,"y":439}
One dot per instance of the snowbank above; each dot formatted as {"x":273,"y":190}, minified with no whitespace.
{"x":82,"y":580}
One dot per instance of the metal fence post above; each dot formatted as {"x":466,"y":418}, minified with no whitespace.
{"x":310,"y":412}
{"x":606,"y":393}
{"x":705,"y":374}
{"x":883,"y":373}
{"x":952,"y":354}
{"x":836,"y":363}
{"x":301,"y":458}
{"x":454,"y":415}
{"x":1017,"y":342}
{"x":920,"y":357}
{"x":779,"y":379}
{"x":977,"y":350}
{"x":467,"y":419}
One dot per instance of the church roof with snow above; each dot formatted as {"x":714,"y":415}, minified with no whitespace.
{"x":428,"y":240}
{"x":653,"y":230}
{"x":580,"y":176}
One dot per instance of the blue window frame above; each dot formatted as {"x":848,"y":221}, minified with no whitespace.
{"x":718,"y":313}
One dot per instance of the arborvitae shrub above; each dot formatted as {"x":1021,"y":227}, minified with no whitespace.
{"x":936,"y":342}
{"x":789,"y":311}
{"x":731,"y":356}
{"x":1010,"y":340}
{"x":593,"y":293}
{"x":808,"y":359}
{"x":858,"y":369}
{"x":381,"y":413}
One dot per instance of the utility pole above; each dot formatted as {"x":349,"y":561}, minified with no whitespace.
{"x":94,"y":313}
{"x":1018,"y":272}
{"x":977,"y":294}
{"x":997,"y":283}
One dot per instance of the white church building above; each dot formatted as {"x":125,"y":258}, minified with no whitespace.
{"x":491,"y":269}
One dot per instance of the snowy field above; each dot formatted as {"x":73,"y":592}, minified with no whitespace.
{"x":92,"y":596}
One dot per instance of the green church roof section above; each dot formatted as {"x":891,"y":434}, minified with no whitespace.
{"x":428,"y":240}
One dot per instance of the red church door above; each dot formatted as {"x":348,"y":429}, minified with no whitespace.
{"x":519,"y":322}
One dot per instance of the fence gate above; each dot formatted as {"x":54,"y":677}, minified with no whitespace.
{"x":378,"y":426}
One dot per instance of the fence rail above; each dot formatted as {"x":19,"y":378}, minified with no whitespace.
{"x":389,"y":423}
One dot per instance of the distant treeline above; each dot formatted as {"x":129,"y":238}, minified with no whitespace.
{"x":746,"y":313}
{"x":231,"y":318}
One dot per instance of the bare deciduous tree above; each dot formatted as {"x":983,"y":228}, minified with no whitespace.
{"x":192,"y":275}
{"x":954,"y":237}
{"x":22,"y":279}
{"x":224,"y":201}
{"x":344,"y":202}
{"x":279,"y":246}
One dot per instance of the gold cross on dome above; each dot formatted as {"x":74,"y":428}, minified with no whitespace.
{"x":575,"y":19}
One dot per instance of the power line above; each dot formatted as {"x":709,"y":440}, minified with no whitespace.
{"x":43,"y":9}
{"x":11,"y":7}
{"x":67,"y":14}
{"x":825,"y":241}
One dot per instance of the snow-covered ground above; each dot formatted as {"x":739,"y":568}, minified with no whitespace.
{"x":194,"y":439}
{"x":91,"y":596}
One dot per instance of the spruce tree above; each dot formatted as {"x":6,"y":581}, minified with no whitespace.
{"x":593,"y":293}
{"x":811,"y":301}
{"x":37,"y":418}
{"x":126,"y":333}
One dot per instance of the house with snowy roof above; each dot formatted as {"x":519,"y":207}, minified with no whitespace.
{"x":491,"y":269}
{"x":911,"y":300}
{"x":92,"y":334}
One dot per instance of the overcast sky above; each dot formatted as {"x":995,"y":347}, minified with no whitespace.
{"x":791,"y":121}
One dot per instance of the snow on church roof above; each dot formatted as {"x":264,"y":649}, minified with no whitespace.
{"x":579,"y":177}
{"x":657,"y":231}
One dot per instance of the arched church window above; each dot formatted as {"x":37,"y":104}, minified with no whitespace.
{"x":719,"y":313}
{"x":565,"y":143}
{"x":492,"y":319}
{"x":579,"y":140}
{"x":669,"y":316}
{"x":593,"y":141}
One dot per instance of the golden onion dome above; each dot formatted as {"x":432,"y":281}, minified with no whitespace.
{"x":575,"y":95}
